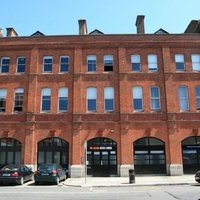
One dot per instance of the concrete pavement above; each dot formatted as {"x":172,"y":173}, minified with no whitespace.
{"x":124,"y":181}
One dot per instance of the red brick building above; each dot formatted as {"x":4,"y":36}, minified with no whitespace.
{"x":127,"y":101}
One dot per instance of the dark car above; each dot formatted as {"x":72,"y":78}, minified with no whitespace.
{"x":49,"y":173}
{"x":197,"y":176}
{"x":15,"y":173}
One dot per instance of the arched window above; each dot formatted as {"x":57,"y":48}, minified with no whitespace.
{"x":10,"y":151}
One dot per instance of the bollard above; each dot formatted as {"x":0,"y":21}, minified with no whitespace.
{"x":131,"y":176}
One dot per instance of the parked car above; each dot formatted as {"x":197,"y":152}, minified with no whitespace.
{"x":197,"y":176}
{"x":49,"y":173}
{"x":16,"y":173}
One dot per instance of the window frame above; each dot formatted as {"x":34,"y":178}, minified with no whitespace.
{"x":108,"y":62}
{"x":64,"y":64}
{"x":133,"y":98}
{"x":93,"y":60}
{"x":6,"y":66}
{"x":193,"y":63}
{"x":46,"y":64}
{"x":197,"y":97}
{"x":106,"y":99}
{"x":18,"y":100}
{"x":3,"y":98}
{"x":158,"y":98}
{"x":180,"y":62}
{"x":47,"y":98}
{"x":152,"y":63}
{"x":64,"y":98}
{"x":183,"y":99}
{"x":88,"y":99}
{"x":133,"y":62}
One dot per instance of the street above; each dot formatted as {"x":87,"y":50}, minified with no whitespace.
{"x":46,"y":192}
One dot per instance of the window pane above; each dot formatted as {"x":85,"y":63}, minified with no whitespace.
{"x":197,"y":90}
{"x":109,"y":104}
{"x":5,"y":65}
{"x":196,"y":62}
{"x":64,"y":64}
{"x":91,"y":93}
{"x":91,"y":104}
{"x":183,"y":99}
{"x":135,"y":61}
{"x":152,"y":62}
{"x":47,"y":63}
{"x":21,"y":63}
{"x":155,"y":98}
{"x":91,"y":62}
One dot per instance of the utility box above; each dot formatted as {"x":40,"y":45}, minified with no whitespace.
{"x":131,"y":176}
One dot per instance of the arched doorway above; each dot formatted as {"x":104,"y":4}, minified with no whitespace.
{"x":191,"y":154}
{"x":54,"y":150}
{"x":10,"y":151}
{"x":149,"y":156}
{"x":101,"y":157}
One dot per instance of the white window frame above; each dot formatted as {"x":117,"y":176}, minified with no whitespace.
{"x":109,"y":94}
{"x":195,"y":58}
{"x":135,"y":59}
{"x":67,"y":64}
{"x":197,"y":97}
{"x":152,"y":62}
{"x":45,"y":92}
{"x":91,"y":94}
{"x":63,"y":93}
{"x":108,"y":62}
{"x":137,"y":92}
{"x":184,"y":99}
{"x":93,"y":59}
{"x":4,"y":58}
{"x":47,"y":57}
{"x":155,"y":98}
{"x":179,"y":60}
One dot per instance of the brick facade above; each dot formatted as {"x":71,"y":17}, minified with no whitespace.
{"x":124,"y":126}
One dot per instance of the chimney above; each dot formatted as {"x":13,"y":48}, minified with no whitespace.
{"x":1,"y":32}
{"x":82,"y":27}
{"x":140,"y":24}
{"x":11,"y":32}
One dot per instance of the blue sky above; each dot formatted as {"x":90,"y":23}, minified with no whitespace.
{"x":60,"y":17}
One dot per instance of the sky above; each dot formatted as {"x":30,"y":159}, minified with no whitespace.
{"x":60,"y":17}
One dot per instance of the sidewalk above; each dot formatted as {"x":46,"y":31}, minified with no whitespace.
{"x":124,"y":181}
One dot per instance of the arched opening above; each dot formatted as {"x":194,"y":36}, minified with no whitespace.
{"x":191,"y":154}
{"x":10,"y":151}
{"x":54,"y":150}
{"x":101,"y":157}
{"x":149,"y":156}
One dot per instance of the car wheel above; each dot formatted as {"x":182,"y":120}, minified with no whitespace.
{"x":21,"y":181}
{"x":64,"y":178}
{"x":36,"y":183}
{"x":57,"y":180}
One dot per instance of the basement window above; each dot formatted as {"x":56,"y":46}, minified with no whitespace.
{"x":108,"y":63}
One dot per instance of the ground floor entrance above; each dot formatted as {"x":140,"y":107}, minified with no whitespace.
{"x":101,"y":157}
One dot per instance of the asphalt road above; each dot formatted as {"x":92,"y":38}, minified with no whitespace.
{"x":49,"y":192}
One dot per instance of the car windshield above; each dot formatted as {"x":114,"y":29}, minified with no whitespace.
{"x":10,"y":168}
{"x":46,"y":167}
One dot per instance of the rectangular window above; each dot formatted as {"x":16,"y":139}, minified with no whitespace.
{"x":3,"y":95}
{"x":197,"y":90}
{"x":155,"y":98}
{"x":91,"y":63}
{"x":47,"y":64}
{"x":152,"y":62}
{"x":19,"y":97}
{"x":179,"y":60}
{"x":64,"y":64}
{"x":183,"y":98}
{"x":5,"y":62}
{"x":109,"y":99}
{"x":21,"y":64}
{"x":46,"y":100}
{"x":91,"y":99}
{"x":136,"y":63}
{"x":137,"y":99}
{"x":108,"y":63}
{"x":63,"y":99}
{"x":195,"y":62}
